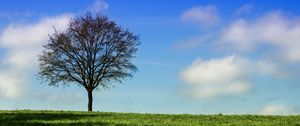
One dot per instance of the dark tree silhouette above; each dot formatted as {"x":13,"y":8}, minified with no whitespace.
{"x":93,"y":52}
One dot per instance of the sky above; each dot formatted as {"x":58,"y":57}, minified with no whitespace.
{"x":196,"y":57}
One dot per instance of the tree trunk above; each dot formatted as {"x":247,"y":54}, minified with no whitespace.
{"x":90,"y":102}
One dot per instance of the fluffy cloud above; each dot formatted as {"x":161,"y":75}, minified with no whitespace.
{"x":10,"y":85}
{"x":217,"y":77}
{"x":225,"y":76}
{"x":278,"y":110}
{"x":273,"y":29}
{"x":31,"y":35}
{"x":203,"y":15}
{"x":99,"y":6}
{"x":23,"y":43}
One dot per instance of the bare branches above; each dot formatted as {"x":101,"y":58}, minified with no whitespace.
{"x":93,"y":51}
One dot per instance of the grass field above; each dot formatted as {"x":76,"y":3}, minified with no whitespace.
{"x":72,"y":118}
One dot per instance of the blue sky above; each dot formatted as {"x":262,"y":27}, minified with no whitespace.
{"x":199,"y":57}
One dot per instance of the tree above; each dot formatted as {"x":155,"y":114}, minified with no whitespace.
{"x":93,"y":52}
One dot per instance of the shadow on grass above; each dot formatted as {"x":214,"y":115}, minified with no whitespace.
{"x":21,"y":123}
{"x":25,"y":119}
{"x":44,"y":116}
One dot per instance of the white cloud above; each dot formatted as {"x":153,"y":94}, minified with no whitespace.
{"x":237,"y":36}
{"x":23,"y":43}
{"x":225,"y":76}
{"x":203,"y":15}
{"x":278,"y":110}
{"x":217,"y":77}
{"x":10,"y":85}
{"x":99,"y":6}
{"x":273,"y":29}
{"x":30,"y":35}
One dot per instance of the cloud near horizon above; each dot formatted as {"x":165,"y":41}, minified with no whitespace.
{"x":216,"y":77}
{"x":276,"y":31}
{"x":23,"y":43}
{"x":279,"y":110}
{"x":226,"y":76}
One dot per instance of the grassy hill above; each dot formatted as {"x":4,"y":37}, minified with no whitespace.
{"x":72,"y":118}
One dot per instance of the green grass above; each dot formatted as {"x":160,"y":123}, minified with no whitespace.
{"x":26,"y":117}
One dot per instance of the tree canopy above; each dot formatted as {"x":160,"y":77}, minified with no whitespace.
{"x":93,"y":52}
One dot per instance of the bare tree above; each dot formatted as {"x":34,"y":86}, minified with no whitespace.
{"x":93,"y":52}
